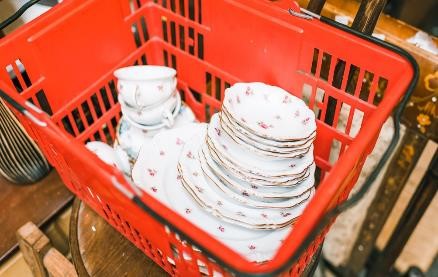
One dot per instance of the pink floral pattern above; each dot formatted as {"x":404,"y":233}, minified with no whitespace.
{"x":251,"y":247}
{"x":297,"y":113}
{"x":218,"y":131}
{"x":179,"y":141}
{"x":196,"y":174}
{"x":162,"y":153}
{"x":219,"y":203}
{"x":243,"y":120}
{"x":154,"y":189}
{"x":286,"y":99}
{"x":221,"y":228}
{"x":152,"y":172}
{"x":160,"y":87}
{"x":201,"y":190}
{"x":254,"y":187}
{"x":238,"y":99}
{"x":245,"y":193}
{"x":249,"y":91}
{"x":264,"y":215}
{"x":264,"y":125}
{"x":285,"y":214}
{"x":240,"y":214}
{"x":188,"y":211}
{"x":306,"y":121}
{"x":292,"y":165}
{"x":190,"y":155}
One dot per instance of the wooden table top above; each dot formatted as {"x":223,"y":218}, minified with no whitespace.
{"x":37,"y":202}
{"x":99,"y":250}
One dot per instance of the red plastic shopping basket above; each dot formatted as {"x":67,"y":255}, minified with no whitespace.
{"x":63,"y":63}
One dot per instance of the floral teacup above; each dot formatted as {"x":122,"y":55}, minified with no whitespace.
{"x":146,"y":85}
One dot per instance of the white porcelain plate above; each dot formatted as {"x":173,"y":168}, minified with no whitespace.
{"x":284,"y":117}
{"x":252,"y":190}
{"x":221,"y":186}
{"x":155,"y":172}
{"x":262,"y":143}
{"x":251,"y":162}
{"x":223,"y":207}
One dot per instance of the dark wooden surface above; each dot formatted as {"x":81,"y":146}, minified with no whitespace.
{"x":316,"y":6}
{"x":99,"y":250}
{"x":38,"y":203}
{"x":366,"y":17}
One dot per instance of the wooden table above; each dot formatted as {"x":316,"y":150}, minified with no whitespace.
{"x":38,"y":203}
{"x":99,"y":250}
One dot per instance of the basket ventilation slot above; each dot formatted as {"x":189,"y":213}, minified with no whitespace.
{"x":190,"y":9}
{"x":185,"y":38}
{"x":21,"y":81}
{"x":89,"y":115}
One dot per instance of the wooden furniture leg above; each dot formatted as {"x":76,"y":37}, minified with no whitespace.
{"x":417,"y":206}
{"x":388,"y":192}
{"x":42,"y":258}
{"x":316,"y":6}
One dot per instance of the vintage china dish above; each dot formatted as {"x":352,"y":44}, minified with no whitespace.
{"x":195,"y":182}
{"x":261,"y":150}
{"x":254,"y":191}
{"x":130,"y":138}
{"x":284,"y":117}
{"x":253,"y":163}
{"x":152,"y":115}
{"x":146,"y":85}
{"x":262,"y":143}
{"x":257,"y":180}
{"x":164,"y":123}
{"x":244,"y":198}
{"x":166,"y":118}
{"x":162,"y":154}
{"x":109,"y":155}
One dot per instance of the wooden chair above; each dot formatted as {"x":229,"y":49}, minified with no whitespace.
{"x":39,"y":254}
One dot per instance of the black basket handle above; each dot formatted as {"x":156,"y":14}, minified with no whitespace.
{"x":8,"y":21}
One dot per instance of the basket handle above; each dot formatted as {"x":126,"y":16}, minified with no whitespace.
{"x":8,"y":21}
{"x":366,"y":17}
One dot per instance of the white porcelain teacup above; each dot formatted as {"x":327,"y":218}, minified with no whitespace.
{"x":151,"y":115}
{"x":145,"y":85}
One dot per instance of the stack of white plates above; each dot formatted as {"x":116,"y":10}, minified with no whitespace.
{"x":244,"y":177}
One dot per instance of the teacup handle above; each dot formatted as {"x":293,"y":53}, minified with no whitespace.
{"x":137,"y":97}
{"x":168,"y":119}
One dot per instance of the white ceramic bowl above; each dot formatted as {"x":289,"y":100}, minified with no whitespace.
{"x":145,"y":85}
{"x":109,"y":155}
{"x":150,"y":116}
